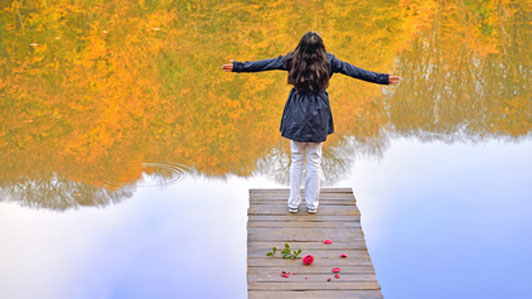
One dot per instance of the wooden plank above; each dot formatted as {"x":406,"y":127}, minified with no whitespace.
{"x":313,"y":245}
{"x":316,"y":253}
{"x":302,"y":218}
{"x":322,"y":190}
{"x":338,"y":219}
{"x":336,"y":284}
{"x":275,"y":200}
{"x":285,"y":196}
{"x":283,"y":210}
{"x":303,"y":224}
{"x":322,"y":202}
{"x":299,"y":268}
{"x":331,"y":262}
{"x":275,"y":276}
{"x":304,"y":234}
{"x":311,"y":294}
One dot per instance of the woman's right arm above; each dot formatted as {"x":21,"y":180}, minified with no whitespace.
{"x":348,"y":69}
{"x":255,"y":66}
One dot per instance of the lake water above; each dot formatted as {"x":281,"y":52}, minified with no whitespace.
{"x":127,"y":153}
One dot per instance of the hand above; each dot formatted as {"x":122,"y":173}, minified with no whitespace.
{"x":393,"y":80}
{"x":228,"y":67}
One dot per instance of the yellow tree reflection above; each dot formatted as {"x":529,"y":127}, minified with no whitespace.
{"x":92,"y":89}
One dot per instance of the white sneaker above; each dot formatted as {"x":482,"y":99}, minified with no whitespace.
{"x":312,"y":211}
{"x":293,"y":210}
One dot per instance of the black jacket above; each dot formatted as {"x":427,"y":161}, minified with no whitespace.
{"x":307,"y":117}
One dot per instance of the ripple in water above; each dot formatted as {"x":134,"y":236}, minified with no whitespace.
{"x":154,"y":174}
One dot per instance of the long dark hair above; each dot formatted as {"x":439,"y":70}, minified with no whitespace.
{"x":307,"y":64}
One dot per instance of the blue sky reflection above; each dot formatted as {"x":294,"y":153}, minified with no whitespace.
{"x":441,"y":221}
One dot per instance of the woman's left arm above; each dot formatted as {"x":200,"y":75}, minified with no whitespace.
{"x":256,"y":66}
{"x":348,"y":69}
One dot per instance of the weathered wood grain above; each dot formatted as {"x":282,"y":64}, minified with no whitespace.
{"x":338,"y":219}
{"x":336,"y":284}
{"x":312,"y":294}
{"x":319,"y":277}
{"x":300,"y":217}
{"x":312,"y":269}
{"x":316,"y":253}
{"x":304,"y":234}
{"x":303,"y":224}
{"x":322,"y":190}
{"x":282,"y":209}
{"x":283,"y":196}
{"x":323,"y":201}
{"x":331,"y":262}
{"x":310,"y":245}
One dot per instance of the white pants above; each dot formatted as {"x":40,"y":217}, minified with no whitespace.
{"x":300,"y":151}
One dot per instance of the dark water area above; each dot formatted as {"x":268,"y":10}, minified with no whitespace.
{"x":127,"y":153}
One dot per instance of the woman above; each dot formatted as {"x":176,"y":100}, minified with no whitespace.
{"x":307,"y":118}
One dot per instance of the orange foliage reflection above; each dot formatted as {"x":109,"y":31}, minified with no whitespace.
{"x":88,"y":87}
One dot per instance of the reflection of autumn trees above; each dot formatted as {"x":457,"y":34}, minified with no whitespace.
{"x":336,"y":162}
{"x":466,"y":76}
{"x":52,"y":192}
{"x":469,"y":75}
{"x":89,"y":86}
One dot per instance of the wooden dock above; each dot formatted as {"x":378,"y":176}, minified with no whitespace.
{"x":338,"y":219}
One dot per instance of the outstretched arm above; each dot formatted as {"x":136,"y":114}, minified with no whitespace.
{"x":255,"y":66}
{"x":228,"y":67}
{"x":348,"y":69}
{"x":393,"y":80}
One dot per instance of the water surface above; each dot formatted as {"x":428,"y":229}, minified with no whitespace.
{"x":127,"y":152}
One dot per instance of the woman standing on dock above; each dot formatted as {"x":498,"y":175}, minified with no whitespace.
{"x":307,"y":118}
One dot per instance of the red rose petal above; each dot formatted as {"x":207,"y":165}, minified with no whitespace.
{"x":306,"y":277}
{"x":291,"y":273}
{"x":285,"y":275}
{"x":343,"y":255}
{"x":327,"y":242}
{"x":336,"y":270}
{"x":329,"y":279}
{"x":336,"y":276}
{"x":284,"y":272}
{"x":308,"y":259}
